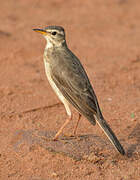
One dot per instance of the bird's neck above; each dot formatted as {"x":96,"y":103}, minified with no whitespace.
{"x":50,"y":47}
{"x":51,"y":44}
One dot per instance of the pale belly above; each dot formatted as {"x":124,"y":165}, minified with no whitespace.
{"x":56,"y":90}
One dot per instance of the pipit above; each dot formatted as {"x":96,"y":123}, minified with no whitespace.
{"x":70,"y":82}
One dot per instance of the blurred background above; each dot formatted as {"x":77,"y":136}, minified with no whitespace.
{"x":105,"y":35}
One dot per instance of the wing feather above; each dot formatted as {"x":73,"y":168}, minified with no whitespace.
{"x":74,"y":84}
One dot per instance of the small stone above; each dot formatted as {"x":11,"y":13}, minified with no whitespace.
{"x":109,"y":99}
{"x":92,"y":158}
{"x":54,"y":174}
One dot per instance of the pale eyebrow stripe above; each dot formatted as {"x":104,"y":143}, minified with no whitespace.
{"x":60,"y":32}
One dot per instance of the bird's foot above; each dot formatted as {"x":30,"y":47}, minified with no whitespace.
{"x":55,"y":139}
{"x":70,"y":136}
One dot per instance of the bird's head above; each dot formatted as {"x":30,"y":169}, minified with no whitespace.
{"x":55,"y":35}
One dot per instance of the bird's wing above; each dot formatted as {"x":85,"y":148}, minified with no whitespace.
{"x":74,"y":84}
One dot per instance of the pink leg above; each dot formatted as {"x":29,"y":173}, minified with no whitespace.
{"x":62,"y":127}
{"x":77,"y":124}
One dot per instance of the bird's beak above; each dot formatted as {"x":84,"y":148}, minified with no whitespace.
{"x":42,"y":31}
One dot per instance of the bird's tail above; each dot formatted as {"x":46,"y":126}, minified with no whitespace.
{"x":106,"y":128}
{"x":110,"y":134}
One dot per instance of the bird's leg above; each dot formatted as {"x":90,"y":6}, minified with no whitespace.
{"x":77,"y":124}
{"x":62,"y":127}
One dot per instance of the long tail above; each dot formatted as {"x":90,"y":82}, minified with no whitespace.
{"x":110,"y":134}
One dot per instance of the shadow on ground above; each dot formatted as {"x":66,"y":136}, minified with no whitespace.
{"x":79,"y":147}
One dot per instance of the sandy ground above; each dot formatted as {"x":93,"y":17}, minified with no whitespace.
{"x":105,"y":35}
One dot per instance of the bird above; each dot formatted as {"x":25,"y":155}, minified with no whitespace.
{"x":71,"y":84}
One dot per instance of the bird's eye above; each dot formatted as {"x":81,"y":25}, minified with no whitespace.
{"x":54,"y":33}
